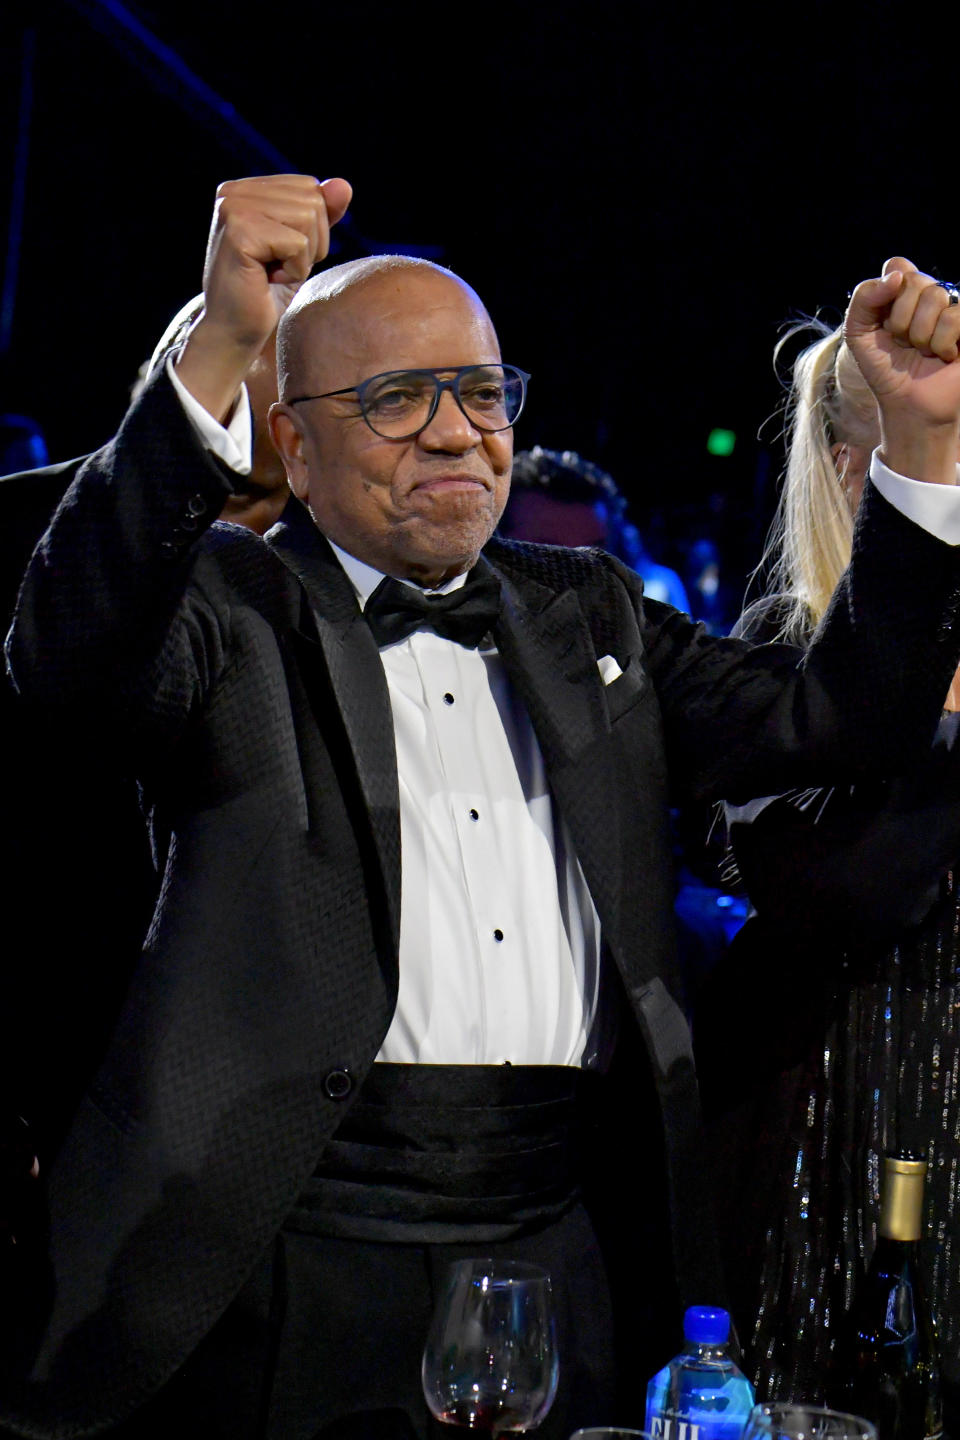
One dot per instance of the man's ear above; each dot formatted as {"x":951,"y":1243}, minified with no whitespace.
{"x":287,"y":437}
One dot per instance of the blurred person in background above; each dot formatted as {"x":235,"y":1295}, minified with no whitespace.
{"x":265,"y":491}
{"x":22,"y":444}
{"x":832,"y":1031}
{"x":557,"y":498}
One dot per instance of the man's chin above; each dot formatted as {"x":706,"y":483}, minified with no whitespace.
{"x":447,"y":550}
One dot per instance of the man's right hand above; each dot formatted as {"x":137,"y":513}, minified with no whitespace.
{"x":266,"y":234}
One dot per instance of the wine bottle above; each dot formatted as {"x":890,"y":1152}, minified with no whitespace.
{"x":887,"y":1364}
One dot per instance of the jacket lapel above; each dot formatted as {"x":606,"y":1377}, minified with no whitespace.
{"x":342,"y":650}
{"x":548,"y":652}
{"x":547,"y":649}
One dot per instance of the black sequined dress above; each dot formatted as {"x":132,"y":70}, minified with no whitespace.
{"x":886,"y":1076}
{"x":831,"y":1034}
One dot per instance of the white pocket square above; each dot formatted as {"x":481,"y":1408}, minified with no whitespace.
{"x":609,"y":669}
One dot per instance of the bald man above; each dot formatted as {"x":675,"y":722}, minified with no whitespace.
{"x":409,"y":992}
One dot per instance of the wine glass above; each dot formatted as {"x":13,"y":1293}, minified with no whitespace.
{"x":805,"y":1422}
{"x":490,"y":1362}
{"x":609,"y":1432}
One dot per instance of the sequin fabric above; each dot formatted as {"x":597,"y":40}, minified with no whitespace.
{"x":887,"y":1075}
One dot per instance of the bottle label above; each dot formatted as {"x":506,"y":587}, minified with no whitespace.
{"x":674,"y":1427}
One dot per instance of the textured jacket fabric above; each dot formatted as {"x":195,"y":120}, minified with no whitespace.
{"x":69,"y":819}
{"x":241,"y":679}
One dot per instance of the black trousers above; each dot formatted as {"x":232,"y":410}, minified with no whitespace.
{"x":292,"y":1359}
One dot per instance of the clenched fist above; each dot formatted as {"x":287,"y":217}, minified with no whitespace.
{"x":905,"y":335}
{"x":266,"y":234}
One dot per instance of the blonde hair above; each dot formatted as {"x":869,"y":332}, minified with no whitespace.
{"x":810,"y":540}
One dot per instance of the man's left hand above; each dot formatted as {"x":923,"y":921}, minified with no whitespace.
{"x":905,"y":336}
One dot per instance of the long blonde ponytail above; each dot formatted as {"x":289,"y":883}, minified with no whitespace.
{"x":809,"y":544}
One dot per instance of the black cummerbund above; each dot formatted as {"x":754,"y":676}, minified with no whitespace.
{"x":433,"y":1154}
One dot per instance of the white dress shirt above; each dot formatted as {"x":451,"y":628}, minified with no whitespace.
{"x":499,"y":938}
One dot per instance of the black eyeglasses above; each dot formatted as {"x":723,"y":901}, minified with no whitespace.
{"x":400,"y":403}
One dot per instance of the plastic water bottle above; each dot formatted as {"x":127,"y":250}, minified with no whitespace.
{"x":700,"y":1395}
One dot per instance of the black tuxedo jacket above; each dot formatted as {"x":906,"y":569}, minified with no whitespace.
{"x":241,"y":677}
{"x":67,"y":821}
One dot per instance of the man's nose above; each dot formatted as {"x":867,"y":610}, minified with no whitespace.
{"x":450,"y":428}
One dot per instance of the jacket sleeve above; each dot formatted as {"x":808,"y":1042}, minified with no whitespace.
{"x":864,"y":698}
{"x":114,"y":617}
{"x":852,"y":867}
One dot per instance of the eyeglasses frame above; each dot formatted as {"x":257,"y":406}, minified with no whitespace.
{"x":453,"y":385}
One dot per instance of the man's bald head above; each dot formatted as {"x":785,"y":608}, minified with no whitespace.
{"x":356,"y":288}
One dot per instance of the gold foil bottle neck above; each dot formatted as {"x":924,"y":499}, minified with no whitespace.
{"x":901,"y":1216}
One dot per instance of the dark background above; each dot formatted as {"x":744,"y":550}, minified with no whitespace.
{"x":641,"y":195}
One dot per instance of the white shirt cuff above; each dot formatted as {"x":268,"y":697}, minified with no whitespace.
{"x":233,"y":443}
{"x":935,"y":508}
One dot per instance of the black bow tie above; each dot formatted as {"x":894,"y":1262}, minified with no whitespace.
{"x":395,"y":610}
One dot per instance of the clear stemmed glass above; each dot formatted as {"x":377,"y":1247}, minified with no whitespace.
{"x":805,"y":1422}
{"x":490,"y":1362}
{"x":609,"y":1432}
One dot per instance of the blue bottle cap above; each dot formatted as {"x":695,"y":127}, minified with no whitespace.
{"x":706,"y":1325}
